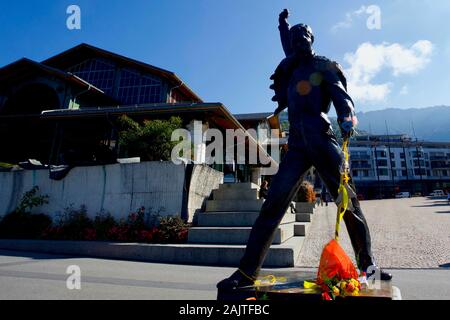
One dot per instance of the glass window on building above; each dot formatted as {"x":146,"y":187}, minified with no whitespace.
{"x":416,"y":154}
{"x":98,"y":72}
{"x":360,"y":164}
{"x":381,"y":154}
{"x":383,"y":172}
{"x":419,"y":163}
{"x":135,"y":88}
{"x":419,"y":172}
{"x":382,"y":163}
{"x":404,"y":173}
{"x":437,"y":155}
{"x":129,"y":87}
{"x":402,"y":155}
{"x":360,"y":155}
{"x":150,"y":90}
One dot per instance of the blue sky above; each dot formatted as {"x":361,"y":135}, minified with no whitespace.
{"x":225,"y":50}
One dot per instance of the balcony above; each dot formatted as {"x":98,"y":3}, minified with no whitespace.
{"x":361,"y":166}
{"x":438,"y":158}
{"x":440,"y":165}
{"x":360,"y":157}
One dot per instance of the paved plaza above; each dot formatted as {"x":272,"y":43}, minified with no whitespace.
{"x":406,"y":233}
{"x":41,"y":276}
{"x":410,"y":237}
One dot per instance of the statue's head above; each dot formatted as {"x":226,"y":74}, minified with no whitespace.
{"x":302,"y":38}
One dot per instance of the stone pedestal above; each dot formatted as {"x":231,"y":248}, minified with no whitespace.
{"x":289,"y":286}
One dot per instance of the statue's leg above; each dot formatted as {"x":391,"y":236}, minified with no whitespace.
{"x":281,"y":192}
{"x":327,"y":160}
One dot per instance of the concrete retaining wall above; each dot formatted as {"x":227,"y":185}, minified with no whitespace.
{"x":119,"y":189}
{"x":203,"y":180}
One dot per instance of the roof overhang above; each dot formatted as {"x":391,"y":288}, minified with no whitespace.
{"x":254,"y":118}
{"x":216,"y":112}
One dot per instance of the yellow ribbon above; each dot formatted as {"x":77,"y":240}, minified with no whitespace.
{"x":269,"y":280}
{"x":310,"y":285}
{"x":345,"y":178}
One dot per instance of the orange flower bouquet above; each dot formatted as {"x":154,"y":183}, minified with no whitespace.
{"x":337,"y":276}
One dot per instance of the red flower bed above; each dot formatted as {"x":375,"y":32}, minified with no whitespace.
{"x":78,"y":226}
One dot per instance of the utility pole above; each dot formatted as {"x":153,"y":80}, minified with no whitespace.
{"x":418,"y":159}
{"x":376,"y":170}
{"x":390,"y":159}
{"x":406,"y":166}
{"x":420,"y":166}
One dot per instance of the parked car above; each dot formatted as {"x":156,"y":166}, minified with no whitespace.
{"x":437,"y":193}
{"x":229,"y":178}
{"x":403,"y":195}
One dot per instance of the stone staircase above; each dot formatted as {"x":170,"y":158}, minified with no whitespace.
{"x":224,"y":228}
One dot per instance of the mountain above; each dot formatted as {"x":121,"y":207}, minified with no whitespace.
{"x":429,"y":124}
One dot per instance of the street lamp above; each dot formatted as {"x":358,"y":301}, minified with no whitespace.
{"x":376,"y":169}
{"x":419,"y":151}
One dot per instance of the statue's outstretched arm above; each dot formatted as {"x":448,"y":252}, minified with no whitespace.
{"x":337,"y":87}
{"x":284,"y":32}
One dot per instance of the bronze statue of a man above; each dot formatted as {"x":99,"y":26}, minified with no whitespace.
{"x":306,"y":84}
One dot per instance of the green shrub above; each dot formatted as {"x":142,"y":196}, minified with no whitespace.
{"x":24,"y":225}
{"x":31,"y":200}
{"x":151,"y":140}
{"x":306,"y":193}
{"x":103,"y":223}
{"x":136,"y":220}
{"x":21,"y":224}
{"x":172,"y":229}
{"x":75,"y":223}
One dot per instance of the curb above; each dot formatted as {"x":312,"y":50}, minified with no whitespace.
{"x":187,"y":254}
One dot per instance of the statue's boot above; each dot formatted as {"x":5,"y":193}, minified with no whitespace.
{"x":235,"y":281}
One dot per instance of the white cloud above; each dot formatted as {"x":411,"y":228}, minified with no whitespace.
{"x":349,"y":18}
{"x":409,"y":61}
{"x":404,"y":91}
{"x":367,"y":92}
{"x":370,"y":60}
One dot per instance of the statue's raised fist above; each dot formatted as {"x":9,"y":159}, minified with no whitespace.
{"x":285,"y":14}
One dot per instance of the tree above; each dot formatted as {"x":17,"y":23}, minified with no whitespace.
{"x":150,"y":140}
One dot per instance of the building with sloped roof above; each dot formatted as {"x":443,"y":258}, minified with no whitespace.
{"x":71,"y":101}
